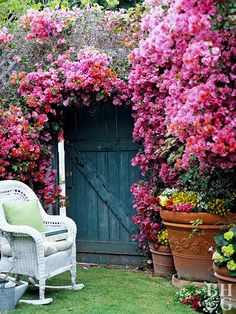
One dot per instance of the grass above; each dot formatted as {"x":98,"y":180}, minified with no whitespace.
{"x":109,"y":291}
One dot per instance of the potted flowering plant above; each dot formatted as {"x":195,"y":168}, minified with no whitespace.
{"x":224,"y":259}
{"x":192,"y":221}
{"x":162,"y":258}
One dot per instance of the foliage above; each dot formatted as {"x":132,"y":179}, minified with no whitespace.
{"x":225,"y":254}
{"x":182,"y":84}
{"x":205,"y":300}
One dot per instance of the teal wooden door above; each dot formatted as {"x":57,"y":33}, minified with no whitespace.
{"x":99,"y":174}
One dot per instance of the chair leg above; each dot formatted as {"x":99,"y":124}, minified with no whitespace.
{"x":42,"y":283}
{"x":73,"y":276}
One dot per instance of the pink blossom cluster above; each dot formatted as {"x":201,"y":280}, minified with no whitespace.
{"x":5,"y":37}
{"x":117,"y":18}
{"x":183,"y":208}
{"x":81,"y":81}
{"x":147,"y":217}
{"x":41,"y":25}
{"x":25,"y":151}
{"x":42,"y":90}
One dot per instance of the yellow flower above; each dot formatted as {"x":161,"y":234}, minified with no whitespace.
{"x":162,"y":237}
{"x":228,"y":235}
{"x":163,"y":200}
{"x":185,"y":198}
{"x":217,"y":206}
{"x":231,"y":265}
{"x":228,"y":250}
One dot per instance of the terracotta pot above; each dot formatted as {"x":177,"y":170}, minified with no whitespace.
{"x":227,"y":288}
{"x":180,"y":283}
{"x":190,"y":249}
{"x":163,"y":262}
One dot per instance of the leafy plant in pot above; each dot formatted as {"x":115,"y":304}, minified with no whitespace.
{"x":193,"y":218}
{"x":162,"y":258}
{"x":224,"y":265}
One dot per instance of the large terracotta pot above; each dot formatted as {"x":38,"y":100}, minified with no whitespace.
{"x":163,"y":262}
{"x":227,"y":289}
{"x":190,"y":249}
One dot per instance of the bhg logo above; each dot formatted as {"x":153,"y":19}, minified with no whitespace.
{"x":225,"y":292}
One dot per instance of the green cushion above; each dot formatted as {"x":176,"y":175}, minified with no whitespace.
{"x":24,"y":213}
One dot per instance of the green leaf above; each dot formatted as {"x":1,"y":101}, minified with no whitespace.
{"x":227,"y":258}
{"x":15,"y":167}
{"x":233,"y":273}
{"x":220,"y":241}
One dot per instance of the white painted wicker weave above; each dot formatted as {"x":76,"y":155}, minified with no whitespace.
{"x":27,"y":243}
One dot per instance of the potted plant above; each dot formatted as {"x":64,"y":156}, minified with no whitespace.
{"x":192,"y":220}
{"x":162,"y":258}
{"x":224,"y":265}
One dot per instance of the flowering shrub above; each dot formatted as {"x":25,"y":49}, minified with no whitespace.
{"x":225,"y":254}
{"x":55,"y":76}
{"x":147,"y":213}
{"x":203,"y":300}
{"x":41,"y":25}
{"x":26,"y":151}
{"x":88,"y":78}
{"x":182,"y":83}
{"x":182,"y":79}
{"x":40,"y":37}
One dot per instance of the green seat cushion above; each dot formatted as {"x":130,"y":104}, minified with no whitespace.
{"x":25,"y":213}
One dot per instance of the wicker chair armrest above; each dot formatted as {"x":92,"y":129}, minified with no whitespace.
{"x":12,"y":232}
{"x":21,"y":230}
{"x":61,"y":221}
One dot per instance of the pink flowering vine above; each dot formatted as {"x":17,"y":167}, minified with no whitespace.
{"x":41,"y":25}
{"x":183,"y":89}
{"x":25,"y":152}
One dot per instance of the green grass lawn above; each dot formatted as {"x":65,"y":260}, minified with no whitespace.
{"x":109,"y":291}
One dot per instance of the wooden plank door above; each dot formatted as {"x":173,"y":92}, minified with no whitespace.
{"x":99,"y":174}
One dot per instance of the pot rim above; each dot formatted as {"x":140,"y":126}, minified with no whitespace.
{"x":223,"y":273}
{"x":185,"y":218}
{"x":162,"y":249}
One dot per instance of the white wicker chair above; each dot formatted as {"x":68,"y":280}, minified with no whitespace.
{"x":27,"y":246}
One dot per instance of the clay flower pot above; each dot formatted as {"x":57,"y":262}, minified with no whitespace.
{"x":163,"y":262}
{"x":227,"y":288}
{"x":190,"y":249}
